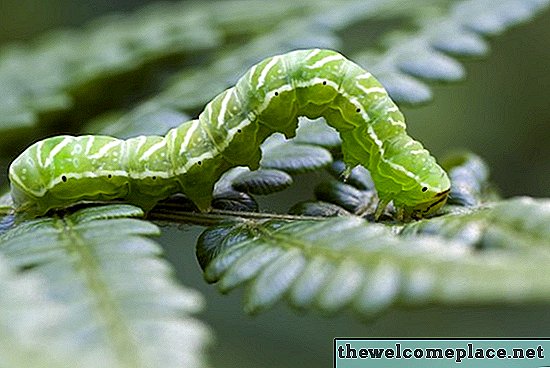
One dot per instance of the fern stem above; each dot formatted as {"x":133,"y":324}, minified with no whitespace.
{"x":215,"y":217}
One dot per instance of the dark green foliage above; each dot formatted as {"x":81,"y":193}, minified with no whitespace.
{"x":455,"y":31}
{"x":234,"y":201}
{"x":145,"y":120}
{"x":318,"y":133}
{"x":359,"y":176}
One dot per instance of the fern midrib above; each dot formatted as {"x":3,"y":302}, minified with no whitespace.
{"x":363,"y":257}
{"x":107,"y":308}
{"x":285,"y":241}
{"x":514,"y":232}
{"x":508,"y":229}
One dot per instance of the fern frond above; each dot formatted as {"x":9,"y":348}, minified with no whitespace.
{"x":122,"y":307}
{"x":517,"y":225}
{"x":31,"y":323}
{"x":428,"y":52}
{"x":54,"y":77}
{"x":453,"y":29}
{"x":347,"y":262}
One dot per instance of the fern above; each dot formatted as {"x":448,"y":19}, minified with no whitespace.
{"x":343,"y":262}
{"x":108,"y":318}
{"x":293,"y":157}
{"x":479,"y":252}
{"x":427,"y":53}
{"x":517,"y":225}
{"x":52,"y":79}
{"x":482,"y":251}
{"x":65,"y":73}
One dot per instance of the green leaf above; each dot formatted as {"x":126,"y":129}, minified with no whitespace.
{"x":359,"y":176}
{"x":263,"y":181}
{"x":405,"y":89}
{"x":234,"y":201}
{"x":348,"y":197}
{"x":433,"y":67}
{"x":317,"y":209}
{"x":281,"y":154}
{"x":486,"y":18}
{"x":122,"y":306}
{"x":348,"y":262}
{"x":227,"y":197}
{"x":470,"y":179}
{"x":460,"y":44}
{"x":318,"y":133}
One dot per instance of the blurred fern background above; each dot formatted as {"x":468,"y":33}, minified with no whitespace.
{"x":501,"y":112}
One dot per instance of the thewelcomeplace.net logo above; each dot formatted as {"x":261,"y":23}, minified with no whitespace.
{"x":445,"y":352}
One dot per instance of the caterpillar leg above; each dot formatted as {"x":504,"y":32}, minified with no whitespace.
{"x":346,"y":173}
{"x":401,"y":214}
{"x":382,"y":204}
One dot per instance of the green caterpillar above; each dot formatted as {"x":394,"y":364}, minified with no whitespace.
{"x":59,"y":171}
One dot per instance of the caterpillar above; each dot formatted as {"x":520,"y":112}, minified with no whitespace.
{"x":59,"y":171}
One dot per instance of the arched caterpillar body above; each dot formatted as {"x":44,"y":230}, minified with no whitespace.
{"x":62,"y":170}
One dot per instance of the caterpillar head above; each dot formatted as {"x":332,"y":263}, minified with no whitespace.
{"x":428,"y":207}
